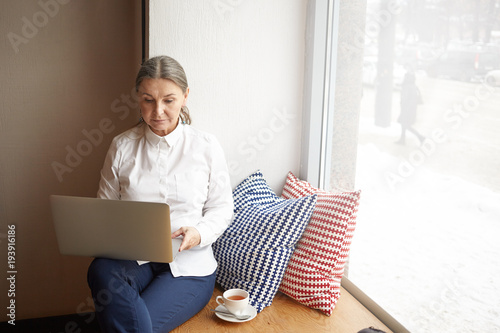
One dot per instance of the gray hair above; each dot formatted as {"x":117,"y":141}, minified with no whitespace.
{"x":165,"y":67}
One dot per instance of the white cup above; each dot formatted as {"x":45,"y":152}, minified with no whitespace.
{"x":234,"y":300}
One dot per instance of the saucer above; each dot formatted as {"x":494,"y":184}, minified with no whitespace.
{"x":250,"y":310}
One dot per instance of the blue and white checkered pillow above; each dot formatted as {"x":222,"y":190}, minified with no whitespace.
{"x":254,"y":251}
{"x":252,"y":191}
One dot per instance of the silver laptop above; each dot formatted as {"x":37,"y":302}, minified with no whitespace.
{"x":116,"y":229}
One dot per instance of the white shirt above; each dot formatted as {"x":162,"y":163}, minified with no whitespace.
{"x":185,"y":169}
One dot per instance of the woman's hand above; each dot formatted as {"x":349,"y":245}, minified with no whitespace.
{"x":191,"y":237}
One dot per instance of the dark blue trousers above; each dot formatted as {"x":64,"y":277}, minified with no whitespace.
{"x":145,"y":298}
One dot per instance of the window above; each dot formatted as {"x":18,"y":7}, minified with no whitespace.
{"x":426,"y":247}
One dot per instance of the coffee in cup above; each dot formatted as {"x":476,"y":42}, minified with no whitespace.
{"x":234,"y":300}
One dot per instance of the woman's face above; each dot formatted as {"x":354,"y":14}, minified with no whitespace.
{"x":161,"y":101}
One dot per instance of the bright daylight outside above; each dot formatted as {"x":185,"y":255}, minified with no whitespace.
{"x":426,"y":246}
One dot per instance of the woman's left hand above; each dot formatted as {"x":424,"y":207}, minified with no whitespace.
{"x":191,"y":237}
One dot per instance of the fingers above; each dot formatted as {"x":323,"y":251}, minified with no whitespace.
{"x":177,"y":233}
{"x":191,"y":237}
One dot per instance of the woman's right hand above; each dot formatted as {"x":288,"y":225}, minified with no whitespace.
{"x":191,"y":237}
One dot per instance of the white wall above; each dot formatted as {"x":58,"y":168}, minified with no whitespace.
{"x":245,"y":66}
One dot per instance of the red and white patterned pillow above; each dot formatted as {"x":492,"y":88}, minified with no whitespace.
{"x":316,"y":267}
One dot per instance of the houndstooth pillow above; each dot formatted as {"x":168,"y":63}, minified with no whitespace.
{"x":314,"y":272}
{"x":254,"y":251}
{"x":253,"y":190}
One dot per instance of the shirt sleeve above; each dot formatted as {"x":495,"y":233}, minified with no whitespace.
{"x":109,"y":185}
{"x":218,"y":209}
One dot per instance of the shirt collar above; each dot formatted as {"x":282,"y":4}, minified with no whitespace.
{"x":170,"y":138}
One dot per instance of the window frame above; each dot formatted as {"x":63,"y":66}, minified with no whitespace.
{"x":319,"y":65}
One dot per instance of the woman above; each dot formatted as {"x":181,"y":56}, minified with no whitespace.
{"x":163,"y":159}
